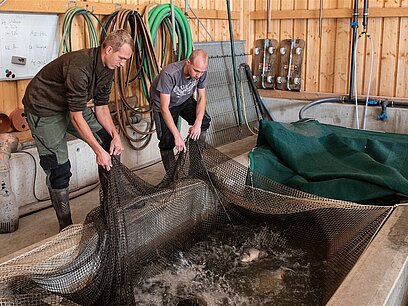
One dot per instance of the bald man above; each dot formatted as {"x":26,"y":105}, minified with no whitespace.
{"x":171,"y":96}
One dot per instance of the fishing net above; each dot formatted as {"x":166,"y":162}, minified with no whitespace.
{"x":140,"y":231}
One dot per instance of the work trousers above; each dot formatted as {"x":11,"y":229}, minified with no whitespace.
{"x":187,"y":111}
{"x":50,"y":134}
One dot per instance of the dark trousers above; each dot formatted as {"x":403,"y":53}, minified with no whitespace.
{"x":187,"y":111}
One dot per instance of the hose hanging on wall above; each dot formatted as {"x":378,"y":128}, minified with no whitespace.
{"x":66,"y":41}
{"x":159,"y":21}
{"x":130,"y":111}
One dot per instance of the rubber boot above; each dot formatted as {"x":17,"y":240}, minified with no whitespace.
{"x":201,"y":140}
{"x":60,"y":202}
{"x":168,"y":159}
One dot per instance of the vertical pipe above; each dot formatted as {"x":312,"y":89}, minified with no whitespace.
{"x":173,"y":29}
{"x":234,"y":64}
{"x":268,"y":27}
{"x":320,"y":18}
{"x":365,"y":15}
{"x":354,"y":25}
{"x":186,"y":7}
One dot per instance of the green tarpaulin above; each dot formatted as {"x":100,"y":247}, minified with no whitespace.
{"x":332,"y":161}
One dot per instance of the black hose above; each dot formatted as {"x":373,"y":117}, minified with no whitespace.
{"x":266,"y":114}
{"x":317,"y":102}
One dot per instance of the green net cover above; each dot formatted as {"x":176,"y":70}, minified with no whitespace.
{"x":331,"y":161}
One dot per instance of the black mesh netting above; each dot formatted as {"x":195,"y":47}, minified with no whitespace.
{"x":181,"y":242}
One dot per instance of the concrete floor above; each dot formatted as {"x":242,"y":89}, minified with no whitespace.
{"x":35,"y":228}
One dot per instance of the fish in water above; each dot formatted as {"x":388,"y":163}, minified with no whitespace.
{"x":273,"y":281}
{"x":252,"y":254}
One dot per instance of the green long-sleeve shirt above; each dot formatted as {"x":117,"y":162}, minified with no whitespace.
{"x":68,"y":83}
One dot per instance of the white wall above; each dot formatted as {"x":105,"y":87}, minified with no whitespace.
{"x":340,"y":114}
{"x":83,"y":167}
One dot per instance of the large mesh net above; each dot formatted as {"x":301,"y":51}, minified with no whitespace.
{"x":183,"y":242}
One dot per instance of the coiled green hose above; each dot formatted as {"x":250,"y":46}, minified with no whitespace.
{"x":159,"y":15}
{"x":65,"y":43}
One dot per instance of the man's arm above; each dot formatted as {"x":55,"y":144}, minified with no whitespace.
{"x":168,"y":119}
{"x":104,"y":117}
{"x":102,"y":157}
{"x":195,"y":130}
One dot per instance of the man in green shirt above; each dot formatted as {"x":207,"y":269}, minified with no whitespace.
{"x":55,"y":103}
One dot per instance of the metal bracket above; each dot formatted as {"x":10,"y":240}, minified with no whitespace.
{"x":69,"y":3}
{"x":87,"y":9}
{"x":117,"y":6}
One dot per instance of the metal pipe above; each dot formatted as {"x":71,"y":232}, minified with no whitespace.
{"x":268,"y":24}
{"x":354,"y":25}
{"x":289,"y":76}
{"x":320,"y":18}
{"x":266,"y":41}
{"x":234,"y":64}
{"x":365,"y":15}
{"x":173,"y":29}
{"x":201,"y":23}
{"x":186,"y":7}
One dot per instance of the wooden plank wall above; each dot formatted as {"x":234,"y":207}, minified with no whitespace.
{"x":212,"y":13}
{"x":328,"y":48}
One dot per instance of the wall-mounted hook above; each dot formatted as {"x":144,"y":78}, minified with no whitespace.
{"x":117,"y":6}
{"x":69,"y":3}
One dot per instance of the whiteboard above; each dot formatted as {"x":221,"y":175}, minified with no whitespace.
{"x":27,"y":43}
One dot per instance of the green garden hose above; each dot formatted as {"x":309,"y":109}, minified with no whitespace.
{"x":159,"y":16}
{"x":66,"y":41}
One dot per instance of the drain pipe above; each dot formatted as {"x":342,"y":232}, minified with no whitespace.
{"x":8,"y":206}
